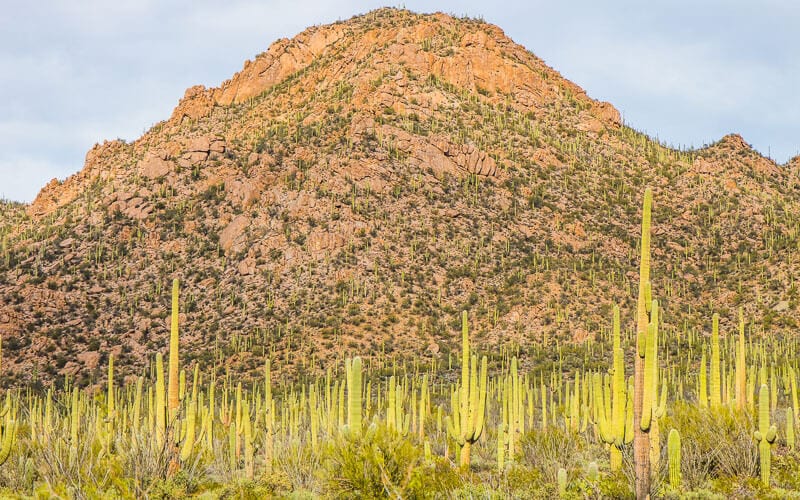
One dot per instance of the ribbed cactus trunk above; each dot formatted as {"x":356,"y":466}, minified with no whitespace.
{"x":619,"y":398}
{"x":173,"y":391}
{"x":74,"y":422}
{"x":160,"y":406}
{"x":269,"y":418}
{"x":674,"y":456}
{"x":716,"y":389}
{"x":765,"y":435}
{"x":191,"y":419}
{"x":741,"y":366}
{"x":9,"y":432}
{"x":702,"y":384}
{"x":354,"y":396}
{"x":793,"y":391}
{"x":641,"y":439}
{"x":110,"y":396}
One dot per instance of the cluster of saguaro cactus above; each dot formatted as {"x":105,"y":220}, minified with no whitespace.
{"x":465,"y":425}
{"x":765,"y":435}
{"x":513,"y":416}
{"x":244,"y":428}
{"x":613,"y":407}
{"x":645,"y":366}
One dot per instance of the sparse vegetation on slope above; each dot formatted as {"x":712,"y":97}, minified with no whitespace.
{"x":414,"y":430}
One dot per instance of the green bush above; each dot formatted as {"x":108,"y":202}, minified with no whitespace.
{"x":716,"y":443}
{"x":381,"y":463}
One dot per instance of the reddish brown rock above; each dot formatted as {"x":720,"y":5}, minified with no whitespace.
{"x":155,"y":164}
{"x":197,"y":102}
{"x":231,"y":239}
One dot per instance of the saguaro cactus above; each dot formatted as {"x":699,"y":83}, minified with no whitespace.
{"x":74,"y":422}
{"x":502,"y":441}
{"x":641,"y":377}
{"x":593,"y":472}
{"x":562,"y":482}
{"x":611,"y":427}
{"x":191,"y":419}
{"x":765,"y":435}
{"x":793,"y":392}
{"x":269,"y":419}
{"x":702,"y":384}
{"x":160,"y":406}
{"x":716,"y":391}
{"x":741,"y":366}
{"x":674,"y":457}
{"x":110,"y":397}
{"x":173,"y":391}
{"x":353,"y":369}
{"x":465,"y":425}
{"x":9,"y":432}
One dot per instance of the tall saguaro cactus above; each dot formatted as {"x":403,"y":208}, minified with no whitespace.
{"x":9,"y":432}
{"x":465,"y":425}
{"x":641,"y":438}
{"x":353,"y":369}
{"x":160,"y":405}
{"x":173,"y":391}
{"x":269,"y":418}
{"x":741,"y":366}
{"x":611,"y":427}
{"x":191,"y":419}
{"x":716,"y":388}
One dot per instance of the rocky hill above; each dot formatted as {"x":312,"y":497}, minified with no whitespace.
{"x":354,"y":188}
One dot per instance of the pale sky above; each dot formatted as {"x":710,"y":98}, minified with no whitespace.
{"x":77,"y":72}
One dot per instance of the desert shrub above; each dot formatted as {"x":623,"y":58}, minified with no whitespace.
{"x":714,"y":443}
{"x":243,"y":489}
{"x":299,"y":463}
{"x":470,"y":491}
{"x":785,"y":469}
{"x":381,"y":463}
{"x":526,"y":483}
{"x":547,"y":451}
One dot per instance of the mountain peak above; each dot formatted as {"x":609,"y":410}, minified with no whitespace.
{"x":384,"y":60}
{"x":734,"y":141}
{"x":471,"y":55}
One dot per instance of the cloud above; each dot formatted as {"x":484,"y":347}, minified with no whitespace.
{"x":76,"y":73}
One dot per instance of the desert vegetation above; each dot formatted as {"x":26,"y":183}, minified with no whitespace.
{"x":635,"y":412}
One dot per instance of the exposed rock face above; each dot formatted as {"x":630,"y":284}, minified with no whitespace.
{"x":197,"y":102}
{"x":231,"y":239}
{"x":283,"y":58}
{"x":200,"y":149}
{"x":469,"y":158}
{"x":155,"y":164}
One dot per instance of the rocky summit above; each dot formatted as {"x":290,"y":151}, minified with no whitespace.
{"x":354,"y":188}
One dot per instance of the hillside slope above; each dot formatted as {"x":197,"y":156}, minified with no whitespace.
{"x":354,"y":188}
